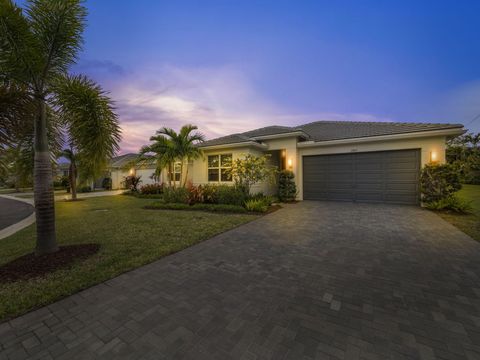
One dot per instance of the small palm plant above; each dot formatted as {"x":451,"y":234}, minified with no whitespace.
{"x":37,"y":46}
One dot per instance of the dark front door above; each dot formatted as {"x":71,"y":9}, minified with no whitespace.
{"x":383,"y":176}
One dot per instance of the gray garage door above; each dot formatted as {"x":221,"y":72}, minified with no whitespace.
{"x":385,"y":176}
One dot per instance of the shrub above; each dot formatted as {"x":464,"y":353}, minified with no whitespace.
{"x":251,"y":170}
{"x":85,"y":189}
{"x":151,"y":189}
{"x":195,"y":194}
{"x":176,"y":195}
{"x":256,"y":205}
{"x":452,"y":203}
{"x":287,"y":190}
{"x":131,"y":182}
{"x":204,"y":207}
{"x":439,"y":181}
{"x":209,"y":193}
{"x":260,"y":196}
{"x":107,"y":183}
{"x":230,"y":195}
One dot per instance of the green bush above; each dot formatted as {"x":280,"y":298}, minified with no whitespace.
{"x":269,"y":200}
{"x":439,"y":181}
{"x":287,"y":190}
{"x":204,"y":207}
{"x":452,"y":203}
{"x":256,"y":205}
{"x":85,"y":189}
{"x":230,"y":195}
{"x":151,"y":189}
{"x":176,"y":195}
{"x":209,"y":193}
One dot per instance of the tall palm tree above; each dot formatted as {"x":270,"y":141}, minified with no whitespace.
{"x":37,"y":47}
{"x":171,"y":147}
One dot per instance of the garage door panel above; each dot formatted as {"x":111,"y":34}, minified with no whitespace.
{"x":388,"y":176}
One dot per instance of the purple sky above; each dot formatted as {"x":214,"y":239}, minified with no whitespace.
{"x":230,"y":66}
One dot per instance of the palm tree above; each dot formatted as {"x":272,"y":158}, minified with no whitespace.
{"x":170,"y":147}
{"x":37,"y":47}
{"x":71,"y":156}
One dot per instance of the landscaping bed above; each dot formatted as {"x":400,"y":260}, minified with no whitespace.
{"x":221,"y":208}
{"x":32,"y":266}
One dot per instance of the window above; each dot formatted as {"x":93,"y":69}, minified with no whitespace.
{"x":219,"y":167}
{"x":176,"y":172}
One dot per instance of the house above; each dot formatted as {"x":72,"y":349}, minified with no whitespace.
{"x":123,"y":166}
{"x":335,"y":160}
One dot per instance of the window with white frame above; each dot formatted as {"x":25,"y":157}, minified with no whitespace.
{"x":219,"y":167}
{"x":177,"y":172}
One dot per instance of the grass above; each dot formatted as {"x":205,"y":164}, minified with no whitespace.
{"x":129,"y":235}
{"x":469,"y":224}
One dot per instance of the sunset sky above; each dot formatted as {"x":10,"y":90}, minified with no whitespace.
{"x":230,"y":66}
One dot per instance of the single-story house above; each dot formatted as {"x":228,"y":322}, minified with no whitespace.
{"x":120,"y":167}
{"x":336,"y":160}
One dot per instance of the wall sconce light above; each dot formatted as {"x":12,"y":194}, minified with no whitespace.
{"x":132,"y":171}
{"x":433,"y":156}
{"x":284,"y":153}
{"x":289,"y":163}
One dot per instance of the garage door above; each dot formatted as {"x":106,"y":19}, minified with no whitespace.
{"x":385,"y":177}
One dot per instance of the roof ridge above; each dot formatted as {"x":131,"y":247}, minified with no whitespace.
{"x":378,"y":122}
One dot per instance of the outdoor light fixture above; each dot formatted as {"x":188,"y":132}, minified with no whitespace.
{"x":131,"y":171}
{"x":433,"y":156}
{"x":289,"y":163}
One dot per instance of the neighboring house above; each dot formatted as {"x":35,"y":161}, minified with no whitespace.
{"x":119,"y":168}
{"x":61,"y":170}
{"x":336,"y":160}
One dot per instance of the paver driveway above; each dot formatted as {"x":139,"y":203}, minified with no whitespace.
{"x":312,"y":281}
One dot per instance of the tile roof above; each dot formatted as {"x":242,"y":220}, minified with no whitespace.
{"x":333,"y":130}
{"x":336,"y":130}
{"x":123,"y":160}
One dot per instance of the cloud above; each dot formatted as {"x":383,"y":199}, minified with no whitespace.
{"x":220,"y":101}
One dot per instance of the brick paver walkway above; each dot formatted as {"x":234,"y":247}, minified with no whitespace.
{"x":312,"y":281}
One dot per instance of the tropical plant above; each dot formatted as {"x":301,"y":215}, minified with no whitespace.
{"x":452,"y":203}
{"x":439,"y":181}
{"x":287,"y":190}
{"x":151,"y":189}
{"x":107,"y":183}
{"x":131,"y":182}
{"x":37,"y":46}
{"x":170,"y":147}
{"x":256,"y":205}
{"x":250,"y":170}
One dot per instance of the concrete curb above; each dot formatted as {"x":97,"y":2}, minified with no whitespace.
{"x":29,"y":220}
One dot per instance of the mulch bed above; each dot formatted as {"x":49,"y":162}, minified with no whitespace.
{"x":273,"y":208}
{"x":32,"y":266}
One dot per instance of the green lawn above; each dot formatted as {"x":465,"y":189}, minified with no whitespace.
{"x":469,"y":224}
{"x":129,"y":235}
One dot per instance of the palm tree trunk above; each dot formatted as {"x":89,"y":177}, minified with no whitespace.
{"x":186,"y":176}
{"x":73,"y":181}
{"x":43,"y":185}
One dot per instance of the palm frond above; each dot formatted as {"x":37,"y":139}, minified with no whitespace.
{"x":91,"y":123}
{"x":58,"y":25}
{"x":20,"y":55}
